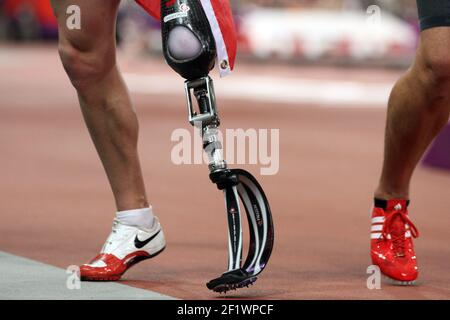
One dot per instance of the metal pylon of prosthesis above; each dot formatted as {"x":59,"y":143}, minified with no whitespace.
{"x":236,"y":185}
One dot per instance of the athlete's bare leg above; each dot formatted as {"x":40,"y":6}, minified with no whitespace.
{"x":419,"y":108}
{"x":89,"y":58}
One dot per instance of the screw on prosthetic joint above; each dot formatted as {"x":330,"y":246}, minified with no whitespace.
{"x":206,"y":117}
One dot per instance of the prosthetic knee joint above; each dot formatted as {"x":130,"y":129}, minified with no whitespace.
{"x":189,"y":48}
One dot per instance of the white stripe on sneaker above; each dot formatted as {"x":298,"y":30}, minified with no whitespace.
{"x":378,"y":220}
{"x":376,"y":227}
{"x":376,"y":235}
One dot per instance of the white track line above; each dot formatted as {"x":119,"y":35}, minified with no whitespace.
{"x":22,"y":278}
{"x":326,"y":93}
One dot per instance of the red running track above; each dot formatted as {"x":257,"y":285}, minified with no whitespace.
{"x":56,"y":207}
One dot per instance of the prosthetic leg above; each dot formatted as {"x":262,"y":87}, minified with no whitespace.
{"x":189,"y":48}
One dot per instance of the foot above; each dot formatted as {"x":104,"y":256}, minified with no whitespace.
{"x":392,"y":248}
{"x":125,"y":246}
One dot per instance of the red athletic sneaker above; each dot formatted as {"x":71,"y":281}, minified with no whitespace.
{"x":125,"y":247}
{"x":391,"y":242}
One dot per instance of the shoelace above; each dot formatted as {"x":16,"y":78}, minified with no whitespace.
{"x":114,"y":236}
{"x":398,"y":241}
{"x":113,"y":232}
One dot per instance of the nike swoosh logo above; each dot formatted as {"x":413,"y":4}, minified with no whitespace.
{"x":140,"y":244}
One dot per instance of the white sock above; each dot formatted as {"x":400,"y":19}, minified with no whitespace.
{"x":141,"y":218}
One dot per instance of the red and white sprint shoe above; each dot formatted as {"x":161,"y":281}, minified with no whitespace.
{"x":125,"y":246}
{"x":392,"y":248}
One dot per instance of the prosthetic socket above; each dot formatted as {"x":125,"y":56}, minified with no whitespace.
{"x":189,"y":49}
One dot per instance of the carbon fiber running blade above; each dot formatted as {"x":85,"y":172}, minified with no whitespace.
{"x":234,"y":228}
{"x":261,"y":233}
{"x":260,"y":222}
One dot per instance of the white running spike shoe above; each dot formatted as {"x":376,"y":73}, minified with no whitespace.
{"x":125,"y":246}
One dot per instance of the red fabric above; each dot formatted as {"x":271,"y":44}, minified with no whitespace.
{"x":224,"y":16}
{"x":153,"y":7}
{"x":41,"y":8}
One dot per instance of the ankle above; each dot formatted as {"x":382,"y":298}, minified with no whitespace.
{"x":391,"y":194}
{"x":141,"y":218}
{"x":129,"y":203}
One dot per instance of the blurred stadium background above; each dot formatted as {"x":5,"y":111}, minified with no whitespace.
{"x":311,"y":30}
